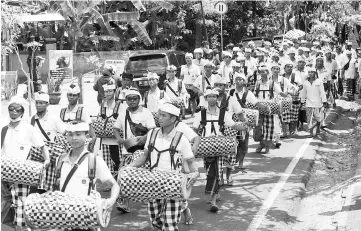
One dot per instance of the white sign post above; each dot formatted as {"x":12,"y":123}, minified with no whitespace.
{"x":221,"y":8}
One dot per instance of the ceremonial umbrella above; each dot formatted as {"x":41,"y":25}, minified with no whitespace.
{"x":294,"y":34}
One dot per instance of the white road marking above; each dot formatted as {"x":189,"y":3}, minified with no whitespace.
{"x":257,"y":220}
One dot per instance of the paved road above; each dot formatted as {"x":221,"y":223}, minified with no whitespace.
{"x":240,"y":203}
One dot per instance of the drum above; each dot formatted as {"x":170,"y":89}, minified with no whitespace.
{"x":17,"y":171}
{"x":274,"y":107}
{"x":58,"y":210}
{"x":177,"y":101}
{"x":55,"y":150}
{"x":228,"y":131}
{"x":103,"y":128}
{"x":132,"y":145}
{"x":216,"y":146}
{"x":286,"y":103}
{"x":140,"y":184}
{"x":62,"y":140}
{"x":250,"y":115}
{"x":155,"y":116}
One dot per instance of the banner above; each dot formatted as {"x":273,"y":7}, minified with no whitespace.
{"x":61,"y":64}
{"x":118,"y":66}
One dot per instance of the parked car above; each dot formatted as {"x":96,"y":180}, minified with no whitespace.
{"x":258,"y":41}
{"x":157,"y":62}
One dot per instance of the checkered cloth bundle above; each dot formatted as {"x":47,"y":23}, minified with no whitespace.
{"x":104,"y":128}
{"x":140,"y":184}
{"x":274,"y":107}
{"x":286,"y":103}
{"x":136,"y":155}
{"x":55,"y":150}
{"x":155,"y":116}
{"x":216,"y":146}
{"x":62,"y":140}
{"x":17,"y":171}
{"x":250,"y":115}
{"x":228,"y":131}
{"x":58,"y":210}
{"x":177,"y":101}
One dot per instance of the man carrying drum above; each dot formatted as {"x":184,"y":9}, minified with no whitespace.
{"x":204,"y":82}
{"x":135,"y":122}
{"x":78,"y":182}
{"x":49,"y":126}
{"x":212,"y":126}
{"x":17,"y":138}
{"x":165,"y":213}
{"x":154,"y":97}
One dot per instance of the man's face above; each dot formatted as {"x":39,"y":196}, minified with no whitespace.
{"x":300,"y":52}
{"x":227,"y":59}
{"x":349,"y":56}
{"x":236,"y":69}
{"x":170,"y":74}
{"x":292,"y":55}
{"x":264,"y":74}
{"x":348,"y":47}
{"x":275,"y":70}
{"x":208,"y":70}
{"x":221,"y":86}
{"x":41,"y":106}
{"x":275,"y":59}
{"x":109,"y":94}
{"x":165,"y":119}
{"x":338,"y":49}
{"x":301,"y":65}
{"x":260,"y":58}
{"x":247,"y":54}
{"x":212,"y":100}
{"x":267,"y":47}
{"x":126,"y":82}
{"x":288,"y":69}
{"x":328,"y":55}
{"x":319,"y":62}
{"x":15,"y":111}
{"x":198,"y":55}
{"x":72,"y":98}
{"x":312,"y":74}
{"x":133,"y":101}
{"x":240,"y":82}
{"x":76,"y":139}
{"x":189,"y":60}
{"x":153,"y":82}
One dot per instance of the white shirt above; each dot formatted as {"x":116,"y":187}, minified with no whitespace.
{"x":301,"y":75}
{"x":154,"y":100}
{"x":264,"y":90}
{"x":174,"y":84}
{"x":190,"y":73}
{"x":188,"y":132}
{"x":282,"y":81}
{"x":341,"y":60}
{"x":234,"y":106}
{"x":323,"y":75}
{"x":79,"y":183}
{"x":350,"y":73}
{"x":51,"y":125}
{"x":225,"y":71}
{"x":19,"y":140}
{"x":330,"y":67}
{"x":227,"y":122}
{"x":314,"y":93}
{"x":71,"y":115}
{"x":251,"y":64}
{"x":109,"y":110}
{"x":142,"y":116}
{"x":200,"y":64}
{"x":163,"y":142}
{"x":201,"y":84}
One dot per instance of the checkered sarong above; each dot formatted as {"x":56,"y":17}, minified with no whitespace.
{"x":268,"y":128}
{"x":286,"y":116}
{"x":294,"y":112}
{"x":107,"y":157}
{"x":19,"y":192}
{"x":165,"y":214}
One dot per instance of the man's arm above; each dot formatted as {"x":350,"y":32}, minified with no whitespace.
{"x":196,"y":141}
{"x":46,"y":155}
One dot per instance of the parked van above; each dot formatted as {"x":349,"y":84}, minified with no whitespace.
{"x":157,"y":62}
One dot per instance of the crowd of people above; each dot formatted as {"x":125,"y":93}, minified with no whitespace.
{"x":215,"y":88}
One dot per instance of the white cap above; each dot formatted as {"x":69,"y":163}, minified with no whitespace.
{"x":109,"y":86}
{"x":209,"y":63}
{"x":288,"y":62}
{"x":320,"y":57}
{"x":273,"y":64}
{"x":316,"y":43}
{"x":263,"y":68}
{"x":226,"y":53}
{"x":240,"y":75}
{"x":18,"y":100}
{"x":301,"y":59}
{"x":236,"y":49}
{"x":348,"y":52}
{"x":250,"y":43}
{"x":219,"y":79}
{"x":267,"y":43}
{"x":291,"y":51}
{"x":171,"y":68}
{"x":211,"y":92}
{"x":241,"y":58}
{"x":189,"y":55}
{"x":132,"y":91}
{"x":41,"y":97}
{"x":311,"y":69}
{"x":79,"y":127}
{"x":235,"y":64}
{"x":349,"y":43}
{"x":198,"y":50}
{"x":306,"y":49}
{"x":73,"y":89}
{"x":248,"y":50}
{"x":170,"y":108}
{"x":152,"y":75}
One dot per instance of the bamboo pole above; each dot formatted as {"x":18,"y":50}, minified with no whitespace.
{"x":27,"y":77}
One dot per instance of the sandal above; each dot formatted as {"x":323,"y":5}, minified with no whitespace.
{"x":214,"y":208}
{"x":188,"y":219}
{"x":230,"y":182}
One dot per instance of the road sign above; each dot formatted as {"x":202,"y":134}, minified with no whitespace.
{"x":221,"y":7}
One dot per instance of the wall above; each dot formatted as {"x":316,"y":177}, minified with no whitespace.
{"x":79,"y":60}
